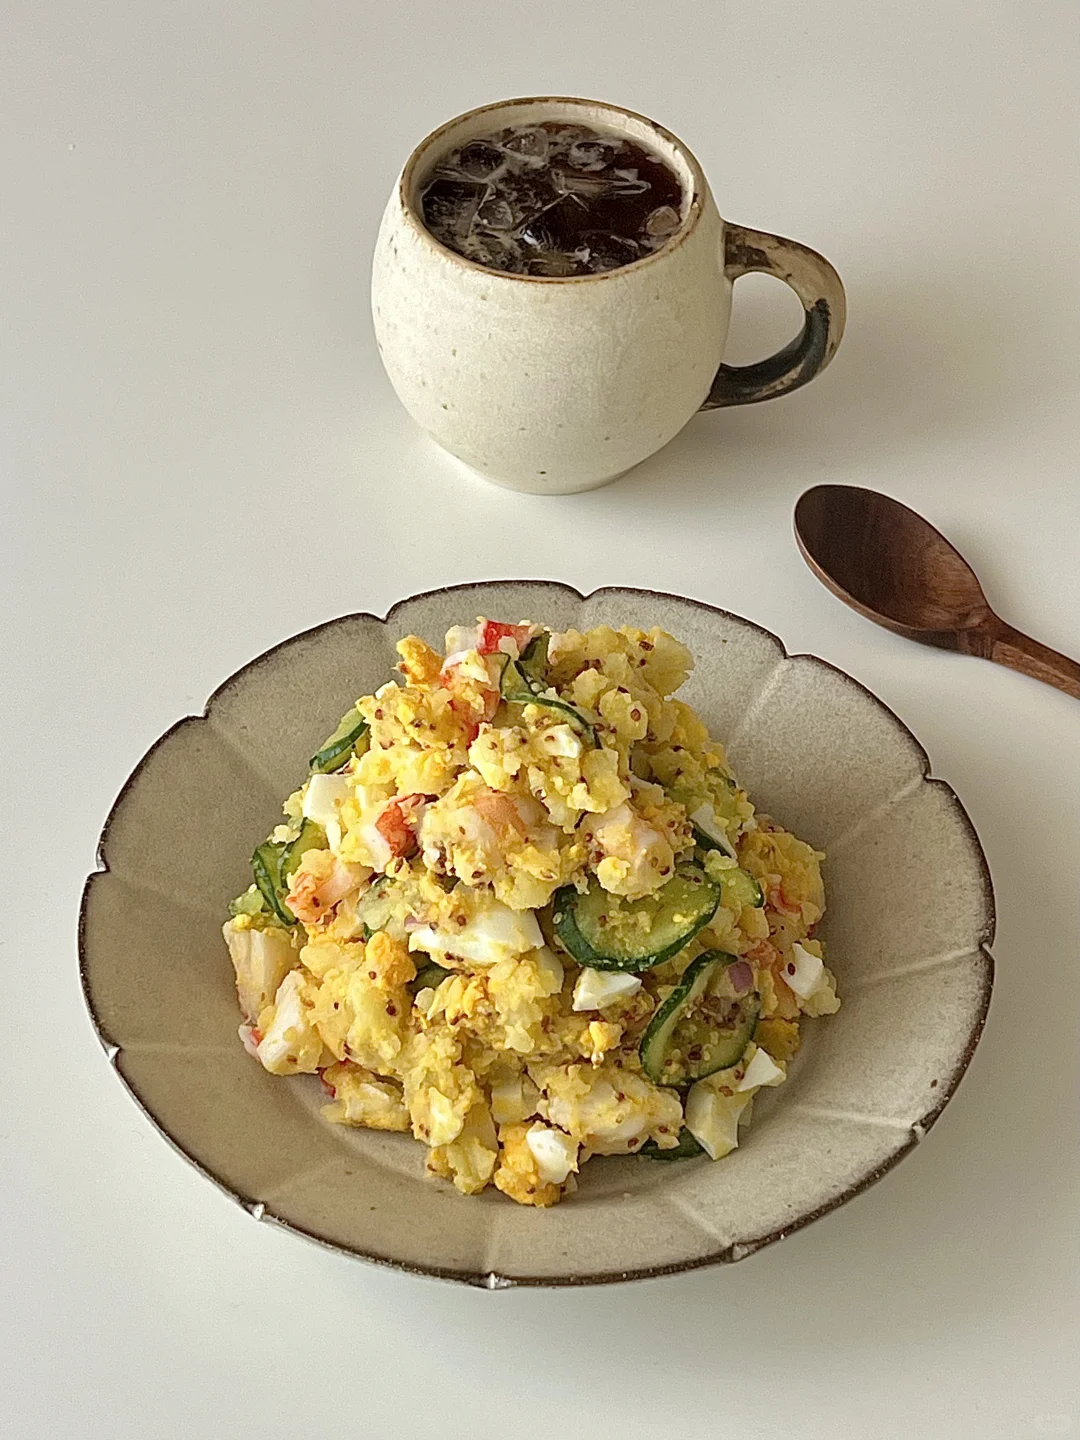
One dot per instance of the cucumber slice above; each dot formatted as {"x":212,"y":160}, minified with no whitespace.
{"x":712,"y":837}
{"x":337,"y":748}
{"x":429,"y":976}
{"x":275,"y":861}
{"x":609,"y":933}
{"x":311,"y":837}
{"x":251,"y":902}
{"x":712,"y":812}
{"x":742,"y":888}
{"x":686,"y":1149}
{"x":739,"y":888}
{"x":516,"y":686}
{"x":534,"y":660}
{"x":266,"y":867}
{"x":702,"y":1026}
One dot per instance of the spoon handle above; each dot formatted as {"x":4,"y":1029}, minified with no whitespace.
{"x":1020,"y":652}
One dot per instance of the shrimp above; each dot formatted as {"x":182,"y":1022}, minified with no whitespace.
{"x":779,"y":902}
{"x":397,"y":823}
{"x":319,"y":882}
{"x":497,"y":638}
{"x":499,"y":811}
{"x":474,"y":700}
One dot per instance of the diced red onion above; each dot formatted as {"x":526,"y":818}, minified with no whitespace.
{"x":741,"y":976}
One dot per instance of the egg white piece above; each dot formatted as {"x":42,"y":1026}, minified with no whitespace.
{"x":804,"y":973}
{"x":597,"y":988}
{"x":495,"y":933}
{"x":555,"y":1153}
{"x":560,"y":740}
{"x":261,"y":959}
{"x":762,"y":1070}
{"x":713,"y":1118}
{"x":323,"y":796}
{"x":288,"y":1017}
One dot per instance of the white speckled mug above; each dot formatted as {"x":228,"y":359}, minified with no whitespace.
{"x":555,"y":385}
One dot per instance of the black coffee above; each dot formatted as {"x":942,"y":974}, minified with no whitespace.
{"x":552,"y":199}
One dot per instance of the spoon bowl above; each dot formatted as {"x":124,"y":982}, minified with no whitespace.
{"x":894,"y":567}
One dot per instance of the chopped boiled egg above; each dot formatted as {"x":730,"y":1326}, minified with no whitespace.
{"x":494,"y":933}
{"x":713,"y":1118}
{"x":560,"y":740}
{"x":804,"y":972}
{"x":460,"y":639}
{"x":597,"y":988}
{"x":322,"y":797}
{"x":513,"y":1100}
{"x":261,"y":959}
{"x":290,"y":1042}
{"x":551,"y":970}
{"x":704,"y":817}
{"x":555,"y":1153}
{"x":369,"y":797}
{"x":374,"y":847}
{"x":762,"y":1070}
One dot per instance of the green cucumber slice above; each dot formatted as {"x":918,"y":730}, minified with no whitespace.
{"x":686,"y":1149}
{"x":516,"y":686}
{"x":534,"y":660}
{"x":719,"y":801}
{"x":709,"y":837}
{"x":266,"y":867}
{"x":311,"y":837}
{"x":701,"y":1027}
{"x":251,"y":902}
{"x":741,"y":888}
{"x":337,"y":748}
{"x":429,"y":976}
{"x":610,"y":933}
{"x":274,"y":863}
{"x":738,"y":886}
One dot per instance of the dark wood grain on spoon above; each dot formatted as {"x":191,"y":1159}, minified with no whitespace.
{"x":892,"y":566}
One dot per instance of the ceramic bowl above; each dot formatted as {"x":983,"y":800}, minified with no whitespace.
{"x":910,"y":916}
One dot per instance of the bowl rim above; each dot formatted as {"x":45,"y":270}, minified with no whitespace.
{"x":490,"y":1280}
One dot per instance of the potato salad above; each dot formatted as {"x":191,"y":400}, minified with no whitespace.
{"x":522,"y":910}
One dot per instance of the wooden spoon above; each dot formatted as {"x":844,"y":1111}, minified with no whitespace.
{"x":892,"y":566}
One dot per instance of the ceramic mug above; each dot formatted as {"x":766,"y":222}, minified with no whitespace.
{"x":555,"y":385}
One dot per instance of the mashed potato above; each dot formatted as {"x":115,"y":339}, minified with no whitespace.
{"x":522,"y":909}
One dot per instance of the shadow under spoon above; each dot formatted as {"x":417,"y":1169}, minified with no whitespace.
{"x":894,"y":567}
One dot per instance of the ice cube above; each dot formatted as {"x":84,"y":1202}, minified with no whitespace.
{"x":526,"y":195}
{"x":529,"y":142}
{"x":587,"y":186}
{"x":479,"y":159}
{"x":593,"y":153}
{"x":497,"y":252}
{"x":608,"y":252}
{"x":557,"y":226}
{"x":568,"y":135}
{"x":664,"y":220}
{"x":449,"y":207}
{"x":554,"y":264}
{"x":496,"y":214}
{"x":629,"y":182}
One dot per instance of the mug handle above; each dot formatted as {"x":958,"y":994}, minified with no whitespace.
{"x":816,"y":284}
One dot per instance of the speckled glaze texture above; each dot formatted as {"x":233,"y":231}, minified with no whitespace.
{"x":910,"y":917}
{"x":559,"y":385}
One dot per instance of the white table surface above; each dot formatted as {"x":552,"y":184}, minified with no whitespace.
{"x":190,"y":194}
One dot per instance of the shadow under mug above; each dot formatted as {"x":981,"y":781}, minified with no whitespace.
{"x":554,"y":385}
